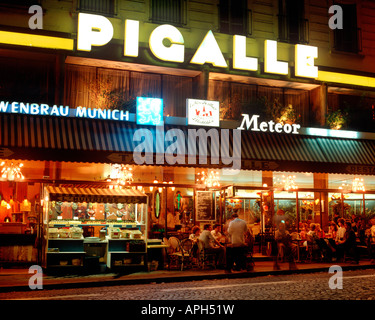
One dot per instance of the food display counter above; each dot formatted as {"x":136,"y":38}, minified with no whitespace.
{"x":94,"y":228}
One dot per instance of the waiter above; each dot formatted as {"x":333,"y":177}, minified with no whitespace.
{"x":236,"y":251}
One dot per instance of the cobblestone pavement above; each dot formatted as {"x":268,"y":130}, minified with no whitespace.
{"x":356,"y":285}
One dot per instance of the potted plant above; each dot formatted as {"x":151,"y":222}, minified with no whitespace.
{"x":336,"y":120}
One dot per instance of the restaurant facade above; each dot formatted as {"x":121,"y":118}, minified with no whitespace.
{"x":116,"y":113}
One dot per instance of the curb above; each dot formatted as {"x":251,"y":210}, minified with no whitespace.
{"x":164,"y":279}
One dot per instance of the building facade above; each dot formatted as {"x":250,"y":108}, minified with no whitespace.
{"x":276,"y":59}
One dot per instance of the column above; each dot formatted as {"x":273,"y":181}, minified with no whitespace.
{"x":321,"y":208}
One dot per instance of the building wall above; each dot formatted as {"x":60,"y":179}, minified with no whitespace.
{"x":60,"y":19}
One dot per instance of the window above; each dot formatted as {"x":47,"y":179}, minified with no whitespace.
{"x":168,"y":11}
{"x":94,"y":87}
{"x":236,"y":98}
{"x":233,"y":17}
{"x":97,"y":6}
{"x":18,"y":3}
{"x":346,"y":39}
{"x":293,"y":27}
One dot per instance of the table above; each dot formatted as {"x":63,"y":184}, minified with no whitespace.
{"x":152,"y":255}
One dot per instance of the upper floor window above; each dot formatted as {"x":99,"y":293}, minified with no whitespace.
{"x":168,"y":11}
{"x":233,"y":17}
{"x":106,"y":7}
{"x":347,"y":39}
{"x":19,"y":3}
{"x":293,"y":27}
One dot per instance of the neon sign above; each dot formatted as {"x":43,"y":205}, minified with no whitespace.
{"x":96,"y":30}
{"x":149,"y":111}
{"x":62,"y":111}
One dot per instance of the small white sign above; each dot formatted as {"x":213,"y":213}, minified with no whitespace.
{"x":92,"y":218}
{"x":203,"y":113}
{"x":59,"y":217}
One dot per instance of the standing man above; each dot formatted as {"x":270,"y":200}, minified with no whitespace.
{"x":236,"y":251}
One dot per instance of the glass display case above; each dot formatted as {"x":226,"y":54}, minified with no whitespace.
{"x":83,"y":226}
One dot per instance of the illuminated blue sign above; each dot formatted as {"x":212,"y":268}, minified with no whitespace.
{"x":150,"y":111}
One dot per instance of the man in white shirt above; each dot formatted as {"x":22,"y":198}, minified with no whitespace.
{"x":216,"y":232}
{"x":236,"y":251}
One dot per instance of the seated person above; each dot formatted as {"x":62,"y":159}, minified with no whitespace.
{"x":283,"y":239}
{"x":194,"y":236}
{"x":322,"y":244}
{"x":371,"y":241}
{"x":349,"y":244}
{"x":211,"y":245}
{"x":195,"y":233}
{"x":312,"y":239}
{"x":216,"y":232}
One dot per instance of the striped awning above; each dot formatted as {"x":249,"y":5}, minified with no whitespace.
{"x":306,"y":153}
{"x":100,"y":195}
{"x":44,"y":138}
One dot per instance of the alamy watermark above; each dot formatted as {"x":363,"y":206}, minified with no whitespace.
{"x":36,"y":21}
{"x":36,"y":280}
{"x":336,"y":281}
{"x":176,"y":146}
{"x":337,"y":18}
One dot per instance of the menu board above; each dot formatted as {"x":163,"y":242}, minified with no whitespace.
{"x":205,"y":206}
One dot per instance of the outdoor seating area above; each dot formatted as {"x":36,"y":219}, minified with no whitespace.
{"x":344,"y":241}
{"x":341,"y":243}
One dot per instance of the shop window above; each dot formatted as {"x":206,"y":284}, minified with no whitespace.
{"x":348,"y":38}
{"x":237,"y":98}
{"x":168,"y":11}
{"x":293,"y":27}
{"x":117,"y":89}
{"x":97,"y":6}
{"x":233,"y":17}
{"x":359,"y":110}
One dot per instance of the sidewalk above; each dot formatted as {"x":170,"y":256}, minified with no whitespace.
{"x":17,"y":279}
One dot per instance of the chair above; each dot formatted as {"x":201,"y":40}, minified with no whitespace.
{"x":176,"y":255}
{"x":313,"y":251}
{"x":187,"y":249}
{"x":205,"y":259}
{"x":249,"y":253}
{"x":280,"y":252}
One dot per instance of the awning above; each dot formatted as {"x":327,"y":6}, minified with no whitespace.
{"x":42,"y":138}
{"x":99,"y":195}
{"x":300,"y":153}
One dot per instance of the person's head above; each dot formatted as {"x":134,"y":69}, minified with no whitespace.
{"x":341,"y":222}
{"x":196,"y":230}
{"x":216,"y":227}
{"x":348,"y":225}
{"x":207,"y":227}
{"x":235,"y":215}
{"x":312,"y":226}
{"x":333,"y":226}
